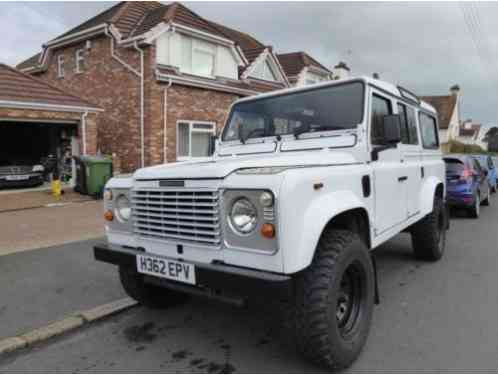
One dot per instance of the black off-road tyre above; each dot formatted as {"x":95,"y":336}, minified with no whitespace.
{"x":474,"y":211}
{"x":487,"y":200}
{"x":330,"y":329}
{"x":148,"y":295}
{"x":429,"y":234}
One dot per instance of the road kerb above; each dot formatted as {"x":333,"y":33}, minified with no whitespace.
{"x":74,"y":321}
{"x":51,"y":330}
{"x":11,"y":343}
{"x":102,"y":311}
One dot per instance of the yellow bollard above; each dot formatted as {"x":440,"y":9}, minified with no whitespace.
{"x":56,"y":188}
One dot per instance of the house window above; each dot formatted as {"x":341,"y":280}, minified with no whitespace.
{"x":80,"y":61}
{"x":198,"y":57}
{"x":60,"y":66}
{"x":264,"y":71}
{"x":193,"y":139}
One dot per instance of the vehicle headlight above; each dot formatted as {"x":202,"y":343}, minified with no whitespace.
{"x":122,"y":208}
{"x":243,"y":216}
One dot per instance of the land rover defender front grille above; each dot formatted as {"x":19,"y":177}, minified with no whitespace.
{"x":178,"y":215}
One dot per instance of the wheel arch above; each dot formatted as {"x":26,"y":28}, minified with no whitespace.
{"x":432,"y":186}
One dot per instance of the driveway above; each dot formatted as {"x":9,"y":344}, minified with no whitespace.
{"x":48,"y":226}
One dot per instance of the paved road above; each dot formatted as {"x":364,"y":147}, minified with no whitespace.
{"x":432,"y":317}
{"x":40,"y":286}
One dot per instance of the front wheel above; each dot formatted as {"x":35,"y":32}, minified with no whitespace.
{"x":429,"y":234}
{"x":334,"y":301}
{"x":148,"y":295}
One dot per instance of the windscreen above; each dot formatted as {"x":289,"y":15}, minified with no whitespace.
{"x":329,"y":108}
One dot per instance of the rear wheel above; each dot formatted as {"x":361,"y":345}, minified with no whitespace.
{"x":474,"y":211}
{"x":148,"y":295}
{"x":429,"y":234}
{"x":334,"y":301}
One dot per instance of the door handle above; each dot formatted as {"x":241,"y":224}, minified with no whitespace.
{"x":402,"y":178}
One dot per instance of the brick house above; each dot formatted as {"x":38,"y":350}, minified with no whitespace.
{"x":164,"y":76}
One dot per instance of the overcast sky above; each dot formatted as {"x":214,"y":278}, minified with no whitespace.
{"x":426,"y":47}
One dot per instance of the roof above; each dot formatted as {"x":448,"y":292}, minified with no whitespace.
{"x":19,"y":87}
{"x":294,"y":62}
{"x":445,"y":106}
{"x":245,"y":41}
{"x":32,"y":61}
{"x":469,"y":132}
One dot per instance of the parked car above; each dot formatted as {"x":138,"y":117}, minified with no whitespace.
{"x":487,"y":164}
{"x":303,"y":183}
{"x":466,"y":183}
{"x":17,"y":173}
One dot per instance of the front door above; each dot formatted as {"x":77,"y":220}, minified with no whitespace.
{"x":390,"y":178}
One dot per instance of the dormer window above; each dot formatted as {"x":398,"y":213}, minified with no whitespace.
{"x":80,"y":61}
{"x":264,"y":71}
{"x":198,"y":57}
{"x":60,"y":66}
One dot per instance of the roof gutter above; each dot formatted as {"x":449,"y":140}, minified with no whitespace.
{"x":46,"y":106}
{"x":195,"y":83}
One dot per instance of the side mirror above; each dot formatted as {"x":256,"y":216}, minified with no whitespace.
{"x":392,"y":129}
{"x":212,"y":144}
{"x":485,"y":173}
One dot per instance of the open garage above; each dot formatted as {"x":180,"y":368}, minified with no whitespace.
{"x":41,"y":129}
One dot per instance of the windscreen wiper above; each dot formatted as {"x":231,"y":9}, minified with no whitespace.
{"x":300,"y":130}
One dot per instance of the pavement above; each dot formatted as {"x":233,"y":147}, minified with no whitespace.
{"x":433,"y":317}
{"x":49,"y":226}
{"x":11,"y":200}
{"x":44,"y":285}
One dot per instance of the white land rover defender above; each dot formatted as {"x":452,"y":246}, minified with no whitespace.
{"x":302,"y":185}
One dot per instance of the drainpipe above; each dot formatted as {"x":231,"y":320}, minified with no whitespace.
{"x":83,"y":130}
{"x":142,"y":145}
{"x":139,"y":74}
{"x":165,"y":135}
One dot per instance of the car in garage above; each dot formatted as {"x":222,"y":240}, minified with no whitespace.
{"x":466,"y":183}
{"x":18,"y":173}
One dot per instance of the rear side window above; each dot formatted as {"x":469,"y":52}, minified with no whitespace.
{"x":380,"y":107}
{"x":408,"y":125}
{"x":454,"y":165}
{"x":428,"y":129}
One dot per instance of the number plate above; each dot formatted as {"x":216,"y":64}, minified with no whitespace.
{"x":16,"y":178}
{"x":165,"y":268}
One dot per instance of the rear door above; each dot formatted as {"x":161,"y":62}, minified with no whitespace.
{"x":389,"y":174}
{"x":410,"y":157}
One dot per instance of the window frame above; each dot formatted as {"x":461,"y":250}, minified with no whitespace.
{"x":79,"y":58}
{"x":265,"y":67}
{"x":436,"y":126}
{"x":190,"y":131}
{"x":60,"y":66}
{"x":198,"y":47}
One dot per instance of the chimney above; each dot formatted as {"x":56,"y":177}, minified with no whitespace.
{"x":454,"y":90}
{"x":341,"y":71}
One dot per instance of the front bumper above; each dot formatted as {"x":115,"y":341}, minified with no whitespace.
{"x":243,"y":282}
{"x":31,"y":180}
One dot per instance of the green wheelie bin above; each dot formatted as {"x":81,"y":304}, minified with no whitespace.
{"x":97,"y":171}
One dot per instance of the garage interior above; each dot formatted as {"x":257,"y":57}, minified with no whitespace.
{"x":51,"y":144}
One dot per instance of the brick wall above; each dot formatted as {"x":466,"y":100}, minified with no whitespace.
{"x":30,"y":114}
{"x":110,"y":86}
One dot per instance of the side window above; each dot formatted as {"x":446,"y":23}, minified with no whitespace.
{"x":60,"y":66}
{"x":490,"y":163}
{"x":380,"y":107}
{"x":428,"y":129}
{"x":412,"y":125}
{"x":404,"y":124}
